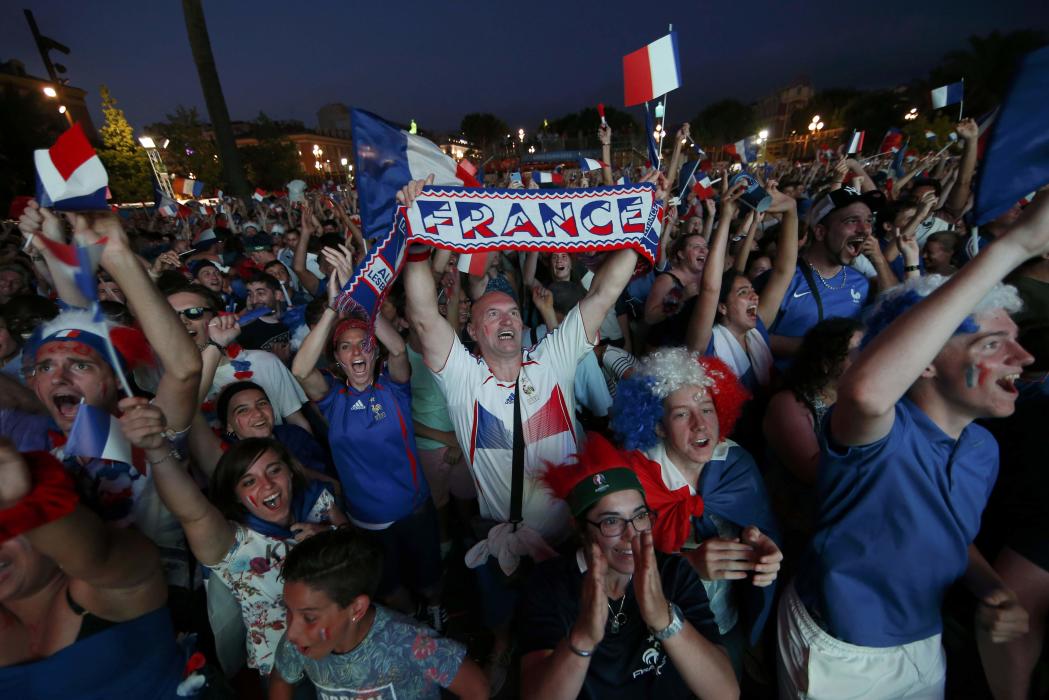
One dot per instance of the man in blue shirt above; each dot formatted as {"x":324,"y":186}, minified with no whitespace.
{"x":904,"y":479}
{"x":824,"y":286}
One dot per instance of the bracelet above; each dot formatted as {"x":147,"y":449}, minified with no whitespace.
{"x":172,"y":454}
{"x":578,"y":652}
{"x":911,"y":268}
{"x":51,"y":498}
{"x":222,"y":348}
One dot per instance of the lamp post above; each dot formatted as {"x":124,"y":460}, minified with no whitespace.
{"x":763,"y":139}
{"x":815,"y":126}
{"x":160,"y":171}
{"x":52,"y":94}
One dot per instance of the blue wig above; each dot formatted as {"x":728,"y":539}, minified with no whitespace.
{"x":636,"y":412}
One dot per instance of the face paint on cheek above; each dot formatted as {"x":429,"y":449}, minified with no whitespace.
{"x":985,"y":372}
{"x":970,"y":376}
{"x":324,"y":633}
{"x":251,"y":500}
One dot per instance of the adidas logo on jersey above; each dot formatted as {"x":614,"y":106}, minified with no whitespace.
{"x":359,"y":406}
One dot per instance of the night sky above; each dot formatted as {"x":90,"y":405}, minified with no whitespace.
{"x":438,"y":60}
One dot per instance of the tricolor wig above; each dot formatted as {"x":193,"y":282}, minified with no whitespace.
{"x":638,"y":406}
{"x":895,"y":302}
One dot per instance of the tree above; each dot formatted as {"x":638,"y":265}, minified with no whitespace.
{"x":272,"y":162}
{"x":582,"y":125}
{"x":484,"y":130}
{"x":190,"y":148}
{"x":723,"y":122}
{"x":200,"y":44}
{"x":126,"y":163}
{"x":26,"y":124}
{"x":987,"y":66}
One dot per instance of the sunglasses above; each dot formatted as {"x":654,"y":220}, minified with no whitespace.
{"x":195,"y":313}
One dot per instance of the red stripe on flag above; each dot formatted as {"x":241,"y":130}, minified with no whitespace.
{"x":70,"y":151}
{"x":637,"y":77}
{"x":63,"y":252}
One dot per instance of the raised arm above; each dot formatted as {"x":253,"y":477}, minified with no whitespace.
{"x":604,"y":134}
{"x":298,"y":262}
{"x":396,"y":356}
{"x":608,"y":284}
{"x":882,"y":374}
{"x":970,"y":132}
{"x":701,"y":325}
{"x":786,"y":257}
{"x":177,"y":392}
{"x":208,"y":532}
{"x":435,"y":335}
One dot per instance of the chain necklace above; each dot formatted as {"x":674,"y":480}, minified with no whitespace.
{"x":844,"y":277}
{"x":618,"y":619}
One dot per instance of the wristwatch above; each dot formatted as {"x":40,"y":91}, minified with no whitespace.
{"x":677,"y":621}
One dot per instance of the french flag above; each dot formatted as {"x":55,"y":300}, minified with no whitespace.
{"x":651,"y":71}
{"x":70,"y":176}
{"x":388,"y":158}
{"x":743,"y":150}
{"x":589,"y":164}
{"x":475,"y":264}
{"x":703,"y":188}
{"x":855,"y":143}
{"x":76,"y":264}
{"x":260,"y":194}
{"x":892,"y":141}
{"x":96,"y":434}
{"x":467,"y":172}
{"x":542,"y":178}
{"x":948,"y":95}
{"x":168,"y":207}
{"x":188,"y":187}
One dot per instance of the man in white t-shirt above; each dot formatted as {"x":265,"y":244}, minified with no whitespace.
{"x":480,"y":395}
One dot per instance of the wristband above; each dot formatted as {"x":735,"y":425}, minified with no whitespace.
{"x":911,"y":268}
{"x":222,"y":348}
{"x":418,"y":254}
{"x":578,"y":652}
{"x":51,"y":498}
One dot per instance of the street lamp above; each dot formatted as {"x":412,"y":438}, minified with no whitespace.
{"x":50,"y":91}
{"x":531,"y":149}
{"x":911,"y":115}
{"x":160,"y":172}
{"x":520,"y":135}
{"x":763,"y":135}
{"x":344,"y":161}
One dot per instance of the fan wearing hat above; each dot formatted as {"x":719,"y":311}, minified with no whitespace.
{"x":679,"y":408}
{"x":68,"y":363}
{"x":369,"y":413}
{"x":824,"y":285}
{"x":616,"y":619}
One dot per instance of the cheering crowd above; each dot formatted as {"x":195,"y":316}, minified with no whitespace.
{"x":772,"y":463}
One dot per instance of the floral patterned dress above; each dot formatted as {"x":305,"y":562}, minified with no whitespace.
{"x":251,"y":570}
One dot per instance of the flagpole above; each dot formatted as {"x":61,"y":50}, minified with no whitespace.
{"x":961,"y":102}
{"x":663,"y":123}
{"x":111,"y":351}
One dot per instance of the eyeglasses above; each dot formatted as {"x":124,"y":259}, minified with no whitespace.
{"x":195,"y":313}
{"x":614,"y":527}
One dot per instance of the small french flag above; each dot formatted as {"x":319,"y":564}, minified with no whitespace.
{"x":651,"y":71}
{"x":543,"y":178}
{"x":475,"y":264}
{"x":188,"y":187}
{"x":948,"y":95}
{"x":739,"y":148}
{"x":70,"y":176}
{"x":76,"y":264}
{"x":168,"y":207}
{"x":589,"y":164}
{"x":703,"y":188}
{"x":855,"y":143}
{"x":260,"y":194}
{"x":467,"y":172}
{"x":96,"y":434}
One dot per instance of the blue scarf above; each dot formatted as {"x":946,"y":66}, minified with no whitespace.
{"x":301,"y":505}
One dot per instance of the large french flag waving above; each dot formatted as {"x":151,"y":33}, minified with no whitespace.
{"x":70,"y":176}
{"x":388,"y":158}
{"x":651,"y":71}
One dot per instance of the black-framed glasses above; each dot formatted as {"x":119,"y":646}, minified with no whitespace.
{"x":613,"y":526}
{"x":195,"y":313}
